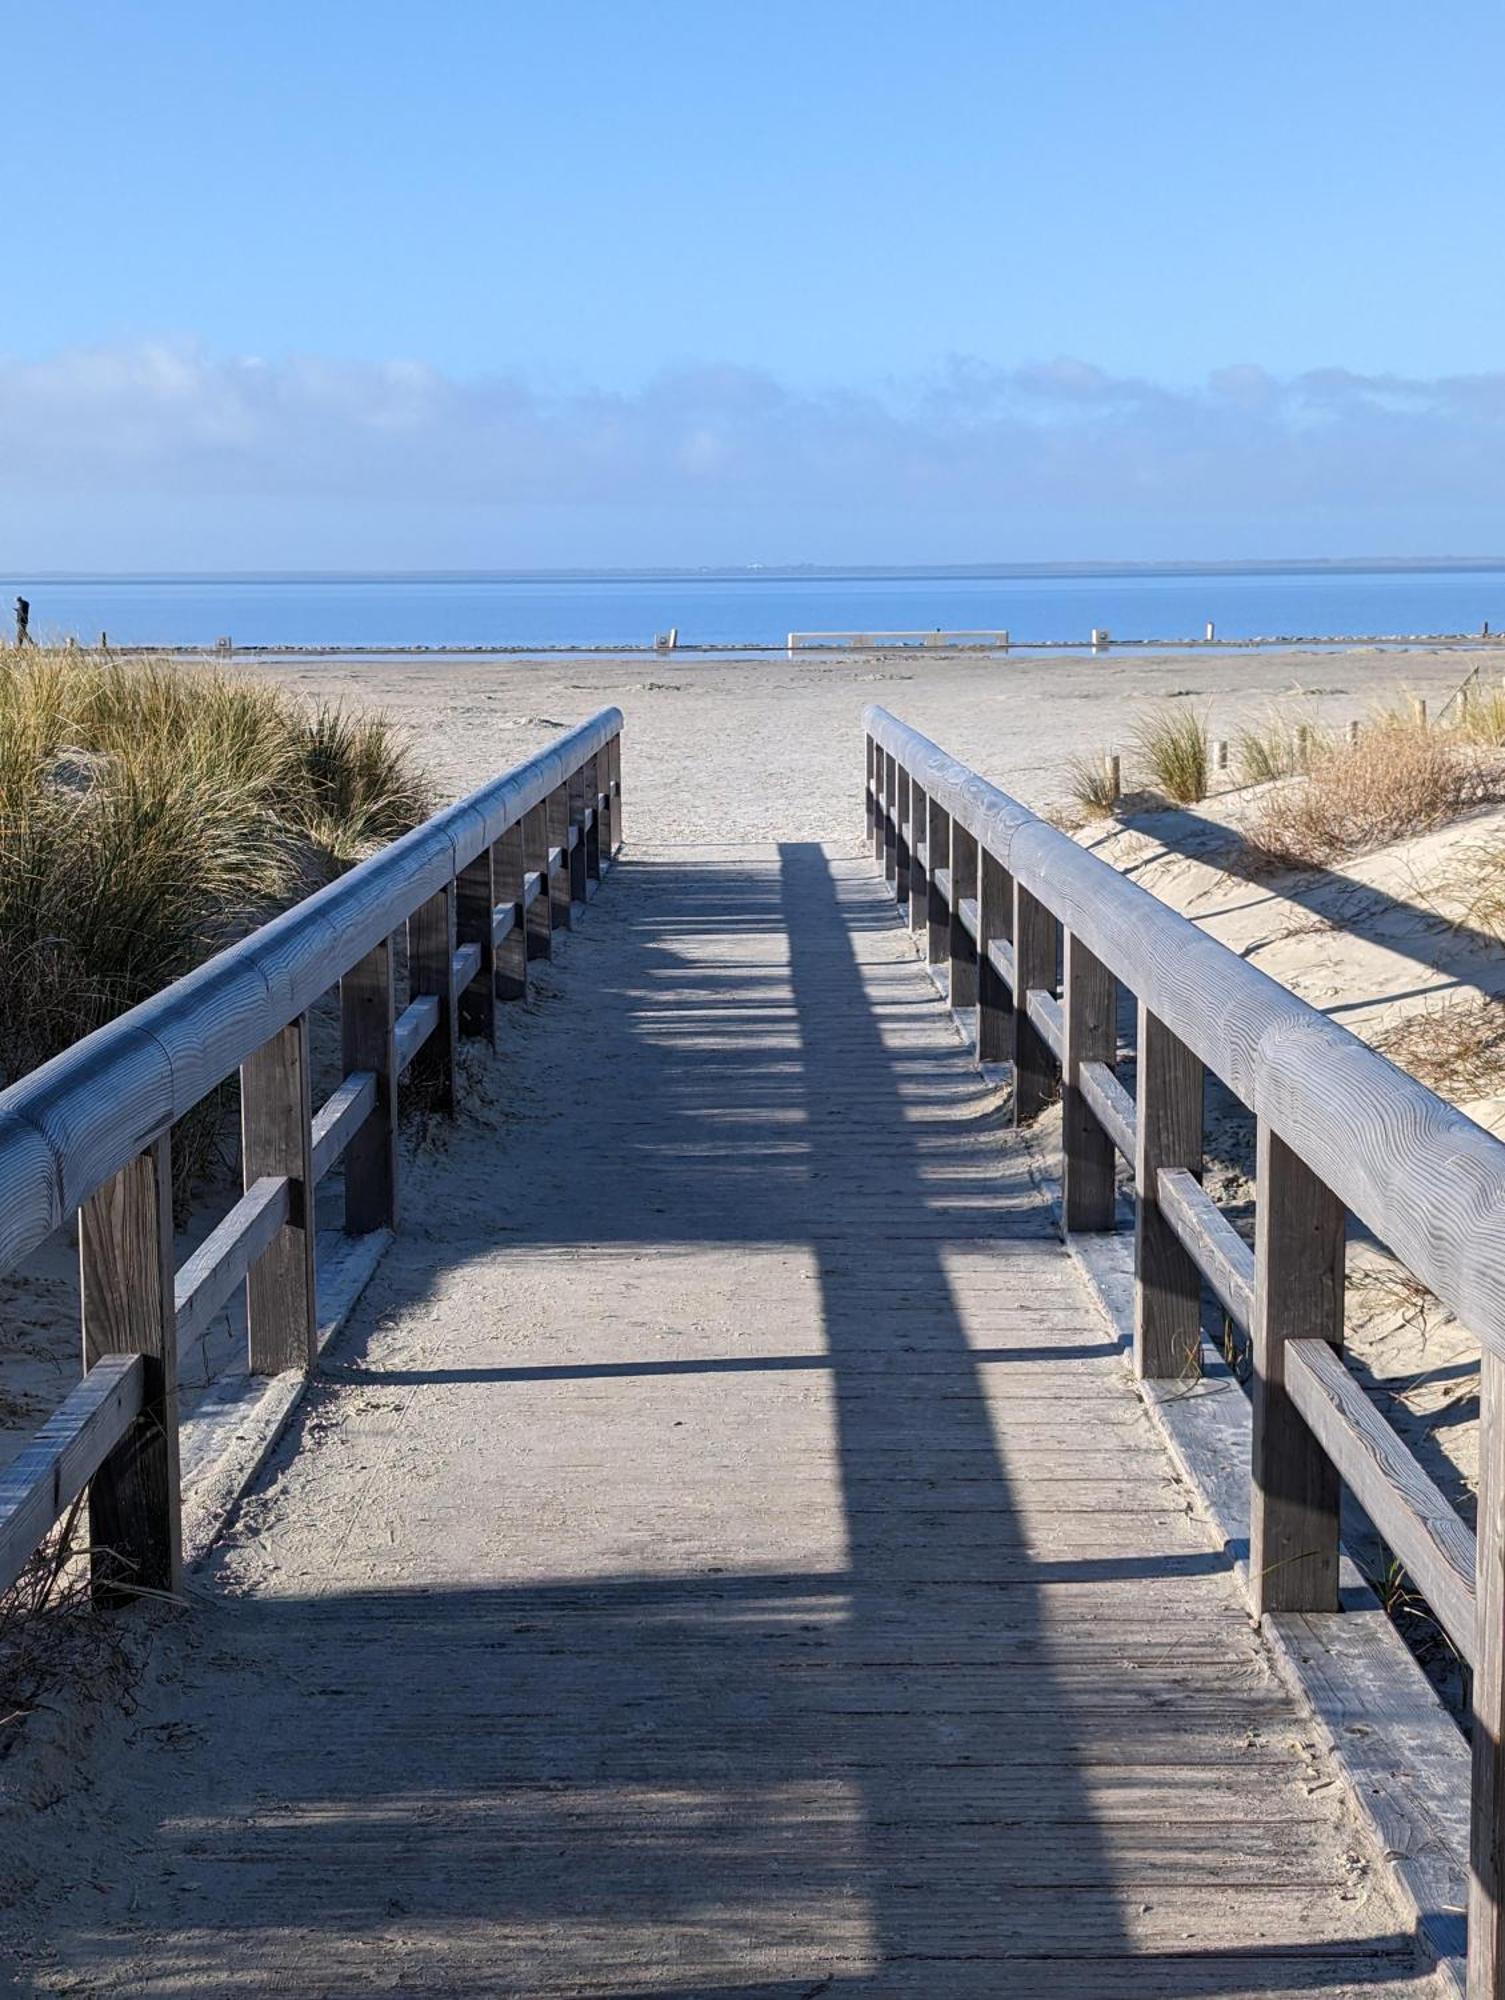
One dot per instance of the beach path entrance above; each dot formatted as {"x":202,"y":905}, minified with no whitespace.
{"x":725,"y":1554}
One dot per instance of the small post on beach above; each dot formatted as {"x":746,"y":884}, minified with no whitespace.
{"x":1113,"y":771}
{"x":1352,"y":732}
{"x":1303,"y":745}
{"x":1419,"y":710}
{"x":1220,"y":754}
{"x":1212,"y":632}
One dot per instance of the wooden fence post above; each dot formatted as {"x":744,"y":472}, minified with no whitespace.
{"x":879,"y":805}
{"x":919,"y":862}
{"x":890,"y":817}
{"x":937,"y":858}
{"x":903,"y":840}
{"x":126,"y":1280}
{"x":510,"y":960}
{"x":276,"y":1137}
{"x":869,"y":802}
{"x":995,"y":1001}
{"x":368,"y":1014}
{"x":963,"y":944}
{"x":1167,"y":1283}
{"x":1034,"y":967}
{"x":1298,"y":1295}
{"x":615,"y":788}
{"x":538,"y":925}
{"x":558,"y":820}
{"x":431,"y":969}
{"x":1089,"y":1034}
{"x":1486,"y":1886}
{"x":475,"y":910}
{"x":593,"y":819}
{"x":575,"y":856}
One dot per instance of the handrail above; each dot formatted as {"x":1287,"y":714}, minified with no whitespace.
{"x":90,"y":1132}
{"x":1034,"y":935}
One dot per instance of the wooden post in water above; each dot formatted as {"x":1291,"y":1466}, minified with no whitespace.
{"x":1298,"y":1295}
{"x":276,"y":1137}
{"x":1167,"y":1283}
{"x":1035,"y":940}
{"x":126,"y":1281}
{"x":368,"y":1015}
{"x":1088,"y":1155}
{"x":995,"y":1000}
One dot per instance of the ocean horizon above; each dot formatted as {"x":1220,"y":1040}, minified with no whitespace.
{"x":1044,"y":604}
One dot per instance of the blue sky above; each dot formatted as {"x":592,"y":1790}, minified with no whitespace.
{"x":654,"y":282}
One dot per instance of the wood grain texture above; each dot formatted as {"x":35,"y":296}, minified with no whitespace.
{"x":1420,"y":1525}
{"x":415,"y":1024}
{"x":224,"y":1259}
{"x":1299,"y":1228}
{"x":368,"y":1045}
{"x":509,"y":943}
{"x":276,"y":1139}
{"x":890,"y":819}
{"x":962,"y":888}
{"x":918,"y":913}
{"x":126,"y":1287}
{"x":557,"y":817}
{"x":1221,"y":1255}
{"x":1088,"y":1156}
{"x":995,"y":997}
{"x":1111,"y":1105}
{"x":1168,"y":1133}
{"x":1035,"y":945}
{"x":39,"y":1486}
{"x":903,"y":837}
{"x":1486,"y":1894}
{"x":475,"y":914}
{"x":536,"y":857}
{"x":431,"y":975}
{"x":937,"y":878}
{"x":340,"y":1117}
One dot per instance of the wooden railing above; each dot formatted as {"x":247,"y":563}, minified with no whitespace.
{"x":1037,"y":935}
{"x":481,"y":888}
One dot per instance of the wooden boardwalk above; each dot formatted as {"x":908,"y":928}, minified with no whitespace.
{"x":726,"y":1556}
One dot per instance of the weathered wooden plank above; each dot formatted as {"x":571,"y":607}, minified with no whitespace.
{"x":995,"y":1002}
{"x":1045,"y":1017}
{"x":1299,"y":1228}
{"x":431,"y":974}
{"x":1111,"y":1105}
{"x":417,"y":1021}
{"x":1420,"y":1525}
{"x":1215,"y":1246}
{"x":276,"y":1139}
{"x":557,"y":812}
{"x":475,"y":948}
{"x":1486,"y":1891}
{"x":1168,"y":1133}
{"x":1035,"y":938}
{"x":368,"y":1044}
{"x":938,"y":881}
{"x":126,"y":1283}
{"x":1088,"y":1158}
{"x":962,"y":888}
{"x":340,"y":1117}
{"x":39,"y":1486}
{"x":918,"y":912}
{"x":890,"y":819}
{"x":903,"y":838}
{"x":222,"y":1261}
{"x":536,"y":900}
{"x":506,"y":919}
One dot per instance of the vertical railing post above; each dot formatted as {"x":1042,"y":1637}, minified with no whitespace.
{"x":558,"y":817}
{"x":1167,"y":1283}
{"x":903,"y":840}
{"x":276,"y":1137}
{"x":963,"y":945}
{"x":539,"y":925}
{"x":1486,"y":1887}
{"x":1090,"y":1034}
{"x":1299,"y":1227}
{"x":880,"y":804}
{"x":615,"y":788}
{"x":475,"y":909}
{"x":431,"y":969}
{"x":995,"y":1000}
{"x":126,"y":1281}
{"x":919,"y":865}
{"x":510,"y":961}
{"x":593,"y":819}
{"x":937,"y":858}
{"x":368,"y":1016}
{"x":869,"y":797}
{"x":575,"y":855}
{"x":1035,"y":942}
{"x":890,"y":816}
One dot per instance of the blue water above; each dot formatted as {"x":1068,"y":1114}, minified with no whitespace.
{"x":750,"y":609}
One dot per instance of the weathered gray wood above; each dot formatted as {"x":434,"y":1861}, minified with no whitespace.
{"x":510,"y":939}
{"x":1298,"y":1295}
{"x":506,"y":922}
{"x":340,"y":1117}
{"x":1221,"y":1255}
{"x":890,"y":818}
{"x":1045,"y":1017}
{"x":903,"y":838}
{"x":968,"y":915}
{"x":39,"y":1486}
{"x":995,"y":1001}
{"x":558,"y":820}
{"x":869,"y":794}
{"x":536,"y":859}
{"x":1486,"y":1895}
{"x":222,"y":1261}
{"x":611,"y":787}
{"x":431,"y":973}
{"x":592,"y":819}
{"x":415,"y":1024}
{"x":1088,"y":1156}
{"x":963,"y":944}
{"x":1001,"y":955}
{"x":880,"y":806}
{"x":276,"y":1139}
{"x":368,"y":1040}
{"x":918,"y":912}
{"x":579,"y":873}
{"x":937,"y":862}
{"x":1168,"y":1133}
{"x":1111,"y":1105}
{"x":126,"y":1286}
{"x":475,"y":911}
{"x":1419,"y":1523}
{"x":1035,"y":938}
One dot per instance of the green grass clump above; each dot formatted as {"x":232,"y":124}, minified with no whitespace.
{"x":1173,"y":747}
{"x":151,"y":812}
{"x":1090,"y":785}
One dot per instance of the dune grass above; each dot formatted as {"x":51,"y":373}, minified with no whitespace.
{"x":1173,"y":748}
{"x":1090,"y":786}
{"x":150,"y":812}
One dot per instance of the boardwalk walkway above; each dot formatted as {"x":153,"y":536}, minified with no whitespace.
{"x":726,"y":1556}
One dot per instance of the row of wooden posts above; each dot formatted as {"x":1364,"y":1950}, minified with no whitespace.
{"x":468,"y":941}
{"x":986,"y":886}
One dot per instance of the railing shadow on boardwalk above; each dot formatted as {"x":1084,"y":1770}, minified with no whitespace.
{"x":760,"y":1762}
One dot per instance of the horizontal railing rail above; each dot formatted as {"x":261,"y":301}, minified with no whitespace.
{"x":479,"y":888}
{"x":1037,"y":935}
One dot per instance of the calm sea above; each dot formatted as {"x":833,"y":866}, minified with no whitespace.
{"x":742,"y":609}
